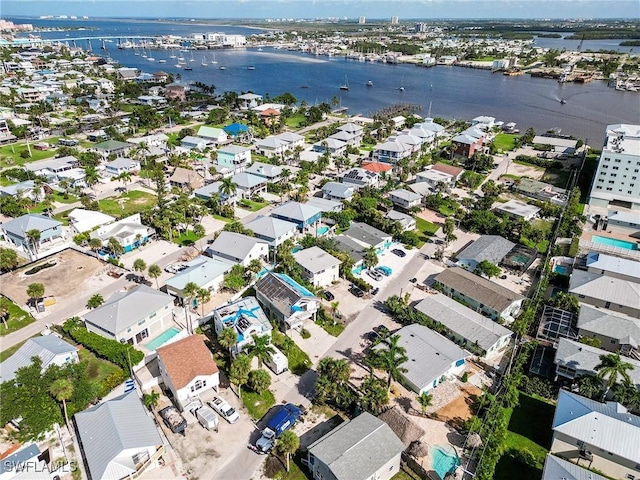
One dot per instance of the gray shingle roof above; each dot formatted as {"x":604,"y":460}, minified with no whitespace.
{"x":108,"y":429}
{"x":353,"y":248}
{"x":234,"y":245}
{"x":46,"y":347}
{"x":270,"y":227}
{"x":605,"y":288}
{"x":296,"y":211}
{"x":430,"y":355}
{"x":264,"y":170}
{"x":124,"y":309}
{"x":356,"y":450}
{"x":365,"y":233}
{"x":609,"y":324}
{"x":480,"y":289}
{"x":405,"y":195}
{"x":462,"y":320}
{"x":315,"y":259}
{"x":492,"y":248}
{"x":19,"y":226}
{"x":201,"y":271}
{"x":556,"y":468}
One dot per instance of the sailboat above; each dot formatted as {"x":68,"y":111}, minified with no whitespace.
{"x":401,"y":88}
{"x":369,"y":83}
{"x":204,"y":62}
{"x":345,"y":85}
{"x":192,"y":59}
{"x":214,"y":61}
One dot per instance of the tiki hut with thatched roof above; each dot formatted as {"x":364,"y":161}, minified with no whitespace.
{"x":402,"y":426}
{"x":418,"y":449}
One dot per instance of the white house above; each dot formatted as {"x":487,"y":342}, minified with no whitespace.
{"x":82,"y":220}
{"x":517,"y":210}
{"x":194,"y":143}
{"x":122,"y":165}
{"x":212,"y":134}
{"x":286,"y":300}
{"x":361,"y":177}
{"x":247,"y":101}
{"x":187,"y":369}
{"x":272,"y":230}
{"x":407,"y":222}
{"x":238,"y":248}
{"x":405,"y":198}
{"x":205,"y":272}
{"x":434,"y":177}
{"x":338,"y":191}
{"x":130,"y":232}
{"x":318,"y":267}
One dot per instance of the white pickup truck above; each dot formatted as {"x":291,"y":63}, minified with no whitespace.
{"x":225,"y":410}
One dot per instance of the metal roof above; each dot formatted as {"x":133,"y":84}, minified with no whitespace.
{"x":234,"y":245}
{"x":19,"y":458}
{"x":108,"y":429}
{"x":314,"y":259}
{"x":357,"y":449}
{"x":270,"y":227}
{"x":324,"y":204}
{"x":247,"y":180}
{"x":336,"y":189}
{"x":605,"y":288}
{"x":609,"y":324}
{"x":201,"y":271}
{"x":46,"y":347}
{"x":124,"y":309}
{"x":555,"y":468}
{"x":518,"y":208}
{"x":612,"y":264}
{"x":405,"y":195}
{"x":264,"y":169}
{"x":462,"y":320}
{"x":21,"y":225}
{"x":603,"y":425}
{"x":492,"y":248}
{"x":296,"y":211}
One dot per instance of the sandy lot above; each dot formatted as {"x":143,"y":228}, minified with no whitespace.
{"x":75,"y":275}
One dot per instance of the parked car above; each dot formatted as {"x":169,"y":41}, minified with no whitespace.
{"x":375,"y":291}
{"x":225,"y":410}
{"x":386,"y":271}
{"x":375,"y":274}
{"x":413,"y":280}
{"x":357,"y":292}
{"x":398,"y":252}
{"x":328,"y":295}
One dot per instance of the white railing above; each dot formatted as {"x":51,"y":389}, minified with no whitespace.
{"x":602,"y":248}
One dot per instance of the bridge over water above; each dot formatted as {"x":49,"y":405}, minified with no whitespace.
{"x":21,"y":42}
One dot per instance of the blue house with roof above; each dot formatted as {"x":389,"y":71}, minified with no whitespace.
{"x":236,"y":129}
{"x":303,"y":215}
{"x":286,"y":300}
{"x":234,"y":157}
{"x":246,"y":317}
{"x":15,"y":231}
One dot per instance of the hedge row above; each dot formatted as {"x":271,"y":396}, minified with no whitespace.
{"x":540,"y":162}
{"x":122,"y":354}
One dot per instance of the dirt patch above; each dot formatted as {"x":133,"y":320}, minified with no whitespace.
{"x":72,"y":270}
{"x":459,"y":409}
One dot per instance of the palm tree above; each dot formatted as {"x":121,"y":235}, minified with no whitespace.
{"x":154,"y":272}
{"x":425,"y":400}
{"x":370,"y":257}
{"x":139,"y":265}
{"x":261,"y":348}
{"x":125,"y":177}
{"x":150,"y":400}
{"x":448,"y":229}
{"x":611,"y":367}
{"x":589,"y":386}
{"x":334,"y":310}
{"x":228,"y":187}
{"x":95,"y":301}
{"x":35,"y":291}
{"x":239,"y":371}
{"x":190,"y":291}
{"x":33,"y":239}
{"x":115,"y":247}
{"x":392,"y":358}
{"x":95,"y":244}
{"x":204,"y":296}
{"x":288,"y":444}
{"x":62,"y":390}
{"x":228,"y":338}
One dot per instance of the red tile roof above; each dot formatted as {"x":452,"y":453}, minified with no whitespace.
{"x":377,"y":167}
{"x":269,"y":111}
{"x":186,"y":359}
{"x":450,"y":169}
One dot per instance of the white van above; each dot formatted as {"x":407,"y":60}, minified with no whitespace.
{"x":279,"y":362}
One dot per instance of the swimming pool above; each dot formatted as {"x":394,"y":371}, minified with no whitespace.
{"x":322,"y":230}
{"x":561,"y":269}
{"x":614,"y":242}
{"x":444,"y":459}
{"x":296,"y":249}
{"x":163,"y":338}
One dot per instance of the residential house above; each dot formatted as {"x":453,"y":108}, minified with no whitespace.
{"x":16,"y":231}
{"x":360,"y":449}
{"x":118,"y":439}
{"x":237,"y":131}
{"x":426,"y":136}
{"x":407,"y":222}
{"x":473,"y":331}
{"x":249,"y":185}
{"x":51,"y":167}
{"x":334,"y":147}
{"x":607,"y":292}
{"x":238,"y":248}
{"x":272,"y":230}
{"x":361,"y":177}
{"x":246,"y":317}
{"x":623,"y":219}
{"x":413,"y":142}
{"x":154,"y":140}
{"x":248,"y":101}
{"x":176,"y":91}
{"x":354,"y":129}
{"x":132,"y":316}
{"x":319,"y":268}
{"x":432,"y":358}
{"x":483,"y":122}
{"x":186,"y":179}
{"x":565,"y":146}
{"x":466,"y":145}
{"x":455,"y":172}
{"x":187,"y":369}
{"x":234,"y":157}
{"x":126,"y":73}
{"x":112,"y":147}
{"x":435,"y":178}
{"x":480,"y":294}
{"x":368,"y":236}
{"x":324,"y":204}
{"x":49,"y":348}
{"x":286,"y":300}
{"x":338,"y":191}
{"x":292,"y":139}
{"x":517,"y":210}
{"x":492,"y":248}
{"x":269,"y":172}
{"x":82,"y":220}
{"x":269,"y":116}
{"x":616,"y":332}
{"x":574,"y":359}
{"x":130,"y":232}
{"x":271,"y":147}
{"x":602,"y":436}
{"x":350,"y":139}
{"x":303,"y":215}
{"x":207,"y":273}
{"x":27,"y":463}
{"x":391,"y":151}
{"x":398,"y":122}
{"x":194,"y":143}
{"x":611,"y":266}
{"x":151,"y":100}
{"x":555,"y":468}
{"x":405,"y":199}
{"x":122,"y":165}
{"x":207,"y":192}
{"x":212,"y":134}
{"x":377,"y":167}
{"x":541,"y":191}
{"x":75,"y":177}
{"x":26,"y":189}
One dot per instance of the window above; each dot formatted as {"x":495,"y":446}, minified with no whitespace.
{"x":141,"y":322}
{"x":153,"y":314}
{"x":613,"y":340}
{"x":607,"y":305}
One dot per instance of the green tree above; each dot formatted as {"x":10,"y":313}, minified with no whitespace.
{"x":62,"y":390}
{"x":199,"y":231}
{"x":33,"y":239}
{"x":425,"y":400}
{"x":125,"y":178}
{"x":228,"y":187}
{"x":4,"y":311}
{"x":203,"y":296}
{"x":612,"y":367}
{"x":95,"y":301}
{"x":565,"y":301}
{"x":334,"y":310}
{"x":95,"y":244}
{"x":150,"y":400}
{"x":228,"y":337}
{"x":139,"y":266}
{"x":626,"y":394}
{"x":370,"y":257}
{"x":589,"y":386}
{"x":115,"y":247}
{"x":239,"y":371}
{"x":333,"y":375}
{"x":390,"y":359}
{"x":288,"y":444}
{"x":35,"y":291}
{"x":259,"y":380}
{"x":447,"y":229}
{"x":8,"y":259}
{"x":485,"y":267}
{"x":154,"y":271}
{"x":374,"y":394}
{"x":261,"y":348}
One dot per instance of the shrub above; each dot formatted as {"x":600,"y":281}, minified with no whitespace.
{"x":111,"y":381}
{"x":465,"y":377}
{"x":304,"y":333}
{"x":37,"y":268}
{"x":259,"y":380}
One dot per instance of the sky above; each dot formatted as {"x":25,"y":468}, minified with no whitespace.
{"x":372,"y":9}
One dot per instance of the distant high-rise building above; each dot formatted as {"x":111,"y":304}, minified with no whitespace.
{"x":362,"y":20}
{"x":420,"y":27}
{"x":394,"y":20}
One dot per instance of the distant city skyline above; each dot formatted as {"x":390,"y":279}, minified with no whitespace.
{"x":308,"y":9}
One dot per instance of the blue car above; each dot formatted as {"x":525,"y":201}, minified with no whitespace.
{"x":386,"y":271}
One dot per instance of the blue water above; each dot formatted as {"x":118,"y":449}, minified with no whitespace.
{"x":163,"y":338}
{"x":443,"y":462}
{"x":358,"y":270}
{"x":614,"y":242}
{"x":296,"y":249}
{"x":322,"y":230}
{"x":263,"y":272}
{"x":561,"y":269}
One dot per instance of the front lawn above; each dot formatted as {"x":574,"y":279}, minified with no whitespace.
{"x":186,"y":239}
{"x":296,"y":121}
{"x":257,"y":404}
{"x":426,"y":228}
{"x":325,"y":320}
{"x":97,"y":369}
{"x":10,"y":154}
{"x":222,"y":219}
{"x":299,"y":362}
{"x":127,"y":204}
{"x":251,"y":205}
{"x":505,"y":142}
{"x":18,"y":318}
{"x":545,"y":228}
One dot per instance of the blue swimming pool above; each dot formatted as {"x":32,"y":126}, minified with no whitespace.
{"x":163,"y":338}
{"x":296,"y":249}
{"x":322,"y":230}
{"x":444,"y":460}
{"x":561,"y":269}
{"x":614,"y":242}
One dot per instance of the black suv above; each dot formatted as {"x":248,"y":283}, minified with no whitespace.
{"x":357,"y":292}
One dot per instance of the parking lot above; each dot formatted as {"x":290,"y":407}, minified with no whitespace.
{"x":392,"y":261}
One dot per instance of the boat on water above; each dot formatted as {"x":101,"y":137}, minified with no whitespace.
{"x":223,"y":67}
{"x":204,"y":63}
{"x":187,"y":67}
{"x":151,"y":59}
{"x":214,"y":61}
{"x":251,"y":67}
{"x":172,"y":56}
{"x":563,"y":101}
{"x":345,"y":85}
{"x":369,"y":83}
{"x":401,"y":89}
{"x":162,"y":61}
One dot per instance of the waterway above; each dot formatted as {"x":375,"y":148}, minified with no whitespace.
{"x":446,"y":91}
